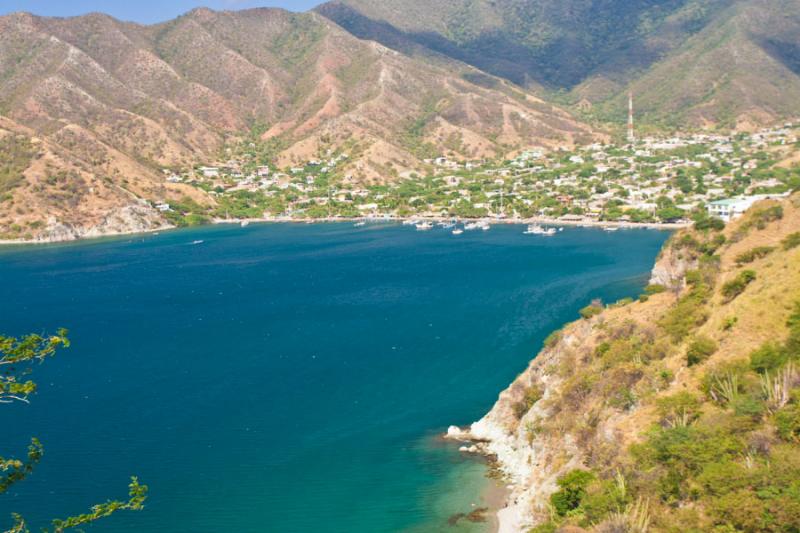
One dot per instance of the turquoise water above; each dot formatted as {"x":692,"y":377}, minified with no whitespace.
{"x":288,"y":378}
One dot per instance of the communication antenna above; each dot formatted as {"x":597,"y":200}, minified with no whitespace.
{"x":631,"y":134}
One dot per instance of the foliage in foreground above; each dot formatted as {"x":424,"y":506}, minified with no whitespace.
{"x":17,"y":357}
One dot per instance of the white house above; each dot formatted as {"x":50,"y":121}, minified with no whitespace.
{"x":209,"y":172}
{"x":732,"y":208}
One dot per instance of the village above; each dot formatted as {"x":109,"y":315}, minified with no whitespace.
{"x":650,"y":181}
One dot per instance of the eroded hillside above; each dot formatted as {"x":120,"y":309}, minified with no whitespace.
{"x":112,"y":103}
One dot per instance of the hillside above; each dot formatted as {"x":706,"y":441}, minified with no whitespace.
{"x":677,"y":412}
{"x":690,"y":62}
{"x":107,"y":104}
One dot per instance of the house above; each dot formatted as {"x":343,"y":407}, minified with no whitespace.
{"x":732,"y":208}
{"x":209,"y":172}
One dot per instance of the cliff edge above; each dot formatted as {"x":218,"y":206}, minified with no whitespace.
{"x":676,"y":412}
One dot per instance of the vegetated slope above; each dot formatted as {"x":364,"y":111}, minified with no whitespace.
{"x":741,"y":70}
{"x":694,"y":62}
{"x":679,"y":412}
{"x":120,"y":100}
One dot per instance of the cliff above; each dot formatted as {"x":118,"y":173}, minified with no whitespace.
{"x":648,"y":415}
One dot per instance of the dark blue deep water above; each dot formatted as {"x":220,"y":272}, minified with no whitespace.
{"x":287,"y":378}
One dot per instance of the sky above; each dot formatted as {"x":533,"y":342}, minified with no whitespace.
{"x":144,"y":11}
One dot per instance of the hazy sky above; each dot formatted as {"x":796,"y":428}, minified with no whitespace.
{"x":144,"y":11}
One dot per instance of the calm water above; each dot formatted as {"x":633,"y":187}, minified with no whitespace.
{"x":286,"y":378}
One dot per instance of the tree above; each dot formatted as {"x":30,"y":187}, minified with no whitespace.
{"x":17,"y":357}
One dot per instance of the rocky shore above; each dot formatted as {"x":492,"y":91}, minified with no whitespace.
{"x":530,"y":460}
{"x":131,"y":219}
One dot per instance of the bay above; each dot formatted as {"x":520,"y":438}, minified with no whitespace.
{"x":287,"y":378}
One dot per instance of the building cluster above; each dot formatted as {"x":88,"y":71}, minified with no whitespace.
{"x":653,"y":180}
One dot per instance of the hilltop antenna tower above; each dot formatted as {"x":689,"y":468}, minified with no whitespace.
{"x":631,"y":134}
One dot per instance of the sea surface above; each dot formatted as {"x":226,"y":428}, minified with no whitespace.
{"x":286,"y":378}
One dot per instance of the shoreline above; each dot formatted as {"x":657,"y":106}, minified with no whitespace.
{"x":389,"y":219}
{"x":666,"y":226}
{"x":496,"y":494}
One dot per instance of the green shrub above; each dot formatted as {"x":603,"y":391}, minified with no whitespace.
{"x":724,"y":383}
{"x":602,"y":349}
{"x":768,"y":357}
{"x":623,"y":302}
{"x":687,"y":241}
{"x":548,"y":527}
{"x":736,"y":286}
{"x":604,"y":497}
{"x":751,"y":255}
{"x":623,"y":399}
{"x":592,"y":310}
{"x":679,"y":408}
{"x":700,"y":349}
{"x":654,"y":289}
{"x":572,"y":489}
{"x":16,"y":154}
{"x":711,"y":246}
{"x":749,"y":406}
{"x":792,"y":241}
{"x":709,"y":223}
{"x":761,"y":217}
{"x":532,"y":395}
{"x":553,"y":339}
{"x":787,"y":422}
{"x":687,"y":314}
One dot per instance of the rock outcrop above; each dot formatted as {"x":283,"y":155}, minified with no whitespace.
{"x":671,"y":267}
{"x":133,"y":218}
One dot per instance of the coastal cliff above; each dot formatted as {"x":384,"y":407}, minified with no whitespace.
{"x":130,"y":219}
{"x":642,"y":415}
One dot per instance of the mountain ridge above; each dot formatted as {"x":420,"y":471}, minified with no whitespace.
{"x":593,"y":53}
{"x":123,"y":100}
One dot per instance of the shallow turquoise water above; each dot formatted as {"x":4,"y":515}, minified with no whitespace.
{"x":286,"y":378}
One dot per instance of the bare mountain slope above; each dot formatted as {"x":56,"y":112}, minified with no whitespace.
{"x":121,"y":100}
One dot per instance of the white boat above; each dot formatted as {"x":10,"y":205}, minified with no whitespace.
{"x":359,"y":224}
{"x":424,"y":226}
{"x":535,"y":229}
{"x":609,"y":228}
{"x":410,"y":222}
{"x":469,"y":226}
{"x":245,"y":223}
{"x":458,"y":231}
{"x":197,"y":242}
